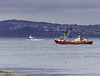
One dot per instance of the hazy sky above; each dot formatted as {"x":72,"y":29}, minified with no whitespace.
{"x":54,"y":11}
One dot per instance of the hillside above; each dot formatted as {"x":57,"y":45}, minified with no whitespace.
{"x":21,"y":28}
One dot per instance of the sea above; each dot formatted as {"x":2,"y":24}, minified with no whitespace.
{"x":43,"y":57}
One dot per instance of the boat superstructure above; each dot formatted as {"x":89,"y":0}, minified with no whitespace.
{"x":30,"y":37}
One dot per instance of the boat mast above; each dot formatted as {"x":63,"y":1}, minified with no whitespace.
{"x":67,"y":34}
{"x":64,"y":35}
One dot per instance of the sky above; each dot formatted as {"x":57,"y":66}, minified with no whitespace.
{"x":53,"y":11}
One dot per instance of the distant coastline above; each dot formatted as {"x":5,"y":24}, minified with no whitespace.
{"x":21,"y":28}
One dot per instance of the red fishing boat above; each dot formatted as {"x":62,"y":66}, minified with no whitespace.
{"x":78,"y":40}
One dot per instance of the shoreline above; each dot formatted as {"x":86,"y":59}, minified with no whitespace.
{"x":5,"y":73}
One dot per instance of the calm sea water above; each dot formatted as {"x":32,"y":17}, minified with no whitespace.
{"x":45,"y":58}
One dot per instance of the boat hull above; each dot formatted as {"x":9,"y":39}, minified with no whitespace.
{"x":60,"y":42}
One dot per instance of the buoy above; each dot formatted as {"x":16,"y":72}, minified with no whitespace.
{"x":65,"y":61}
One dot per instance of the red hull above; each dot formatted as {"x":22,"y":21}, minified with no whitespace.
{"x":60,"y":42}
